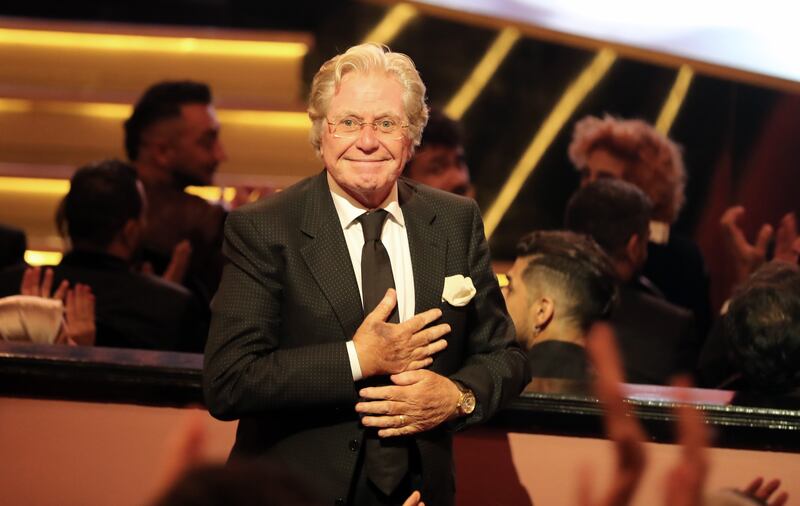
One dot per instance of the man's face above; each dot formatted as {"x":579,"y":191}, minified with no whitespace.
{"x":442,"y":167}
{"x":518,"y":301}
{"x":601,"y":164}
{"x":367,"y":163}
{"x":196,"y":148}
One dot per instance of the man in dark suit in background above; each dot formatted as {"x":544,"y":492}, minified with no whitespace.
{"x":103,"y":216}
{"x":657,"y":339}
{"x":303,"y":339}
{"x":172,"y":138}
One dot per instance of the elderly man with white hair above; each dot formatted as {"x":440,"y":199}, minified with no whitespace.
{"x":358,"y":322}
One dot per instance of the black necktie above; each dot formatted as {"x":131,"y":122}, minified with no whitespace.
{"x":385,"y":460}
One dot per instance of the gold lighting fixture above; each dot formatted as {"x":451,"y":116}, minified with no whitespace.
{"x":151,"y":44}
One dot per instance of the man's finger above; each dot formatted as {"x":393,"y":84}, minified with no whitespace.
{"x":419,"y":364}
{"x":753,"y":487}
{"x":768,"y":490}
{"x":384,"y":307}
{"x":731,"y":216}
{"x":61,"y":290}
{"x":413,"y":499}
{"x":47,"y":283}
{"x":398,"y":431}
{"x":30,"y":281}
{"x":764,"y":235}
{"x":408,"y":377}
{"x":380,"y":393}
{"x":431,"y":334}
{"x":377,"y":407}
{"x":421,"y":320}
{"x":385,"y":422}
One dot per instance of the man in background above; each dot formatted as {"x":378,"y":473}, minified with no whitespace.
{"x":657,"y":339}
{"x":439,"y":161}
{"x":103,"y":215}
{"x":172,"y":138}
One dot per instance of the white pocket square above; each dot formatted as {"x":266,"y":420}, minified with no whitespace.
{"x":458,"y":290}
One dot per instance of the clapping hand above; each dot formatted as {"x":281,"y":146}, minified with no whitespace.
{"x":79,"y":305}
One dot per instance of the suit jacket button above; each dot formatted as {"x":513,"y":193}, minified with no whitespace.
{"x":354,"y":445}
{"x":339,"y":502}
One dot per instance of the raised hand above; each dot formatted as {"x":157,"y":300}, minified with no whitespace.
{"x":748,"y":257}
{"x":391,"y":348}
{"x":79,"y":317}
{"x":762,"y":492}
{"x":686,"y":479}
{"x":418,"y":401}
{"x":179,"y":263}
{"x":621,"y":427}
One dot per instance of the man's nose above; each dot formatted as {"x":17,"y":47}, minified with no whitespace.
{"x":367,"y":140}
{"x":220,"y":154}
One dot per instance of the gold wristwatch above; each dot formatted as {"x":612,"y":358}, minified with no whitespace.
{"x":466,"y":402}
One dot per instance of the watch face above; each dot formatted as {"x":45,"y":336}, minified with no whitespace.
{"x":469,"y":403}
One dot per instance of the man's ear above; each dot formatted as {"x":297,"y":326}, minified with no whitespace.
{"x":636,"y":250}
{"x":131,"y":234}
{"x":163,"y":152}
{"x":543,"y":310}
{"x":632,"y":248}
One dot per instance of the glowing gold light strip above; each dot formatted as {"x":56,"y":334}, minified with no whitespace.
{"x":152,"y":44}
{"x":212,"y":193}
{"x":60,"y":187}
{"x":277,"y":119}
{"x":33,"y":257}
{"x":41,"y":186}
{"x":566,"y":105}
{"x":392,"y":23}
{"x":482,"y":72}
{"x":675,"y":99}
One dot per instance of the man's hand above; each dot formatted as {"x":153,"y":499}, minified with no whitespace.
{"x":762,"y":492}
{"x":418,"y":401}
{"x":390,"y":348}
{"x":79,"y":326}
{"x":179,"y":263}
{"x":622,"y":428}
{"x":33,"y":283}
{"x":686,"y":479}
{"x":747,"y":257}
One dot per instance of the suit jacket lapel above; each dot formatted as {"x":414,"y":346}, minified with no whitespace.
{"x":427,"y":246}
{"x":327,"y":257}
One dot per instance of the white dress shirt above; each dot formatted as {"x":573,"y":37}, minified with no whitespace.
{"x":394,"y":238}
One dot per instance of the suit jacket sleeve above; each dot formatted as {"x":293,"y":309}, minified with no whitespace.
{"x":247,"y":370}
{"x":495,"y":368}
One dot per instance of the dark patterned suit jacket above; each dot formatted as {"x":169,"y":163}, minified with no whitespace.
{"x":276,"y":357}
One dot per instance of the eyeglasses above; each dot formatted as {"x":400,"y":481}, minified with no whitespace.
{"x":350,"y":126}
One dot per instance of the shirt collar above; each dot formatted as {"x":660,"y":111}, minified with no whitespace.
{"x":349,"y":209}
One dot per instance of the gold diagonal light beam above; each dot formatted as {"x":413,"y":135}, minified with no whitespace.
{"x":669,"y":111}
{"x":569,"y":101}
{"x":482,"y":72}
{"x":392,"y":23}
